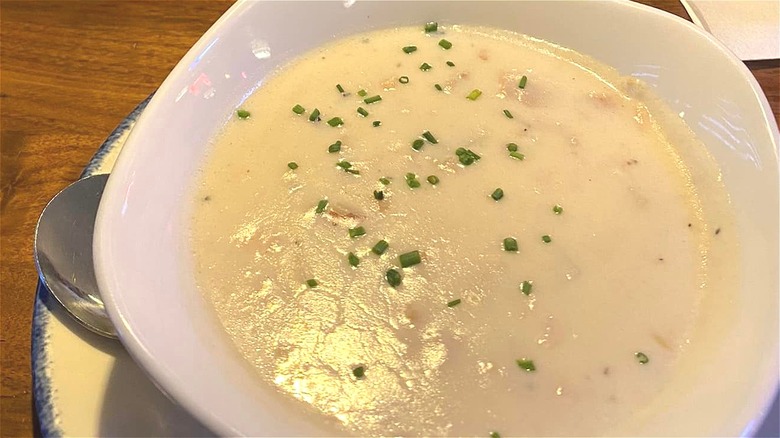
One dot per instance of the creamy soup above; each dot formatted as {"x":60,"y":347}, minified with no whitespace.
{"x":459,"y":231}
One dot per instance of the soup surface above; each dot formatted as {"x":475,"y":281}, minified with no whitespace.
{"x":460,"y":231}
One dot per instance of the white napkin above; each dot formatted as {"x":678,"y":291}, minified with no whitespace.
{"x":751,"y":29}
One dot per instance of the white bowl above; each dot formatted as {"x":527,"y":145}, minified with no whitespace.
{"x":142,"y":252}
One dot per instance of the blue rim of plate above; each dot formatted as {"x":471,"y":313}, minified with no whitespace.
{"x":42,"y":386}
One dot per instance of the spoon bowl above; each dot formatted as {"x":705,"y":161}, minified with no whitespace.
{"x":63,"y":252}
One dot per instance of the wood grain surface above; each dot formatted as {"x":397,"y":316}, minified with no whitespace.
{"x":70,"y":71}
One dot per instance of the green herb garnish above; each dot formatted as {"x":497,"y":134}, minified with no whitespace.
{"x":641,"y":357}
{"x":315,"y":115}
{"x":372,"y":99}
{"x":475,"y":93}
{"x":362,"y":111}
{"x":335,"y":147}
{"x":417,"y":144}
{"x":431,"y":27}
{"x":425,"y":66}
{"x":377,"y":123}
{"x":451,"y":64}
{"x":495,"y":435}
{"x":466,"y":156}
{"x":404,"y":79}
{"x":340,"y":88}
{"x":297,"y":109}
{"x":336,"y":121}
{"x":242,"y":114}
{"x":497,"y":194}
{"x":433,"y":179}
{"x":508,"y":114}
{"x":379,"y":195}
{"x":511,"y":147}
{"x":409,"y":49}
{"x":438,"y":87}
{"x":344,"y":164}
{"x":380,"y":247}
{"x":384,"y":181}
{"x":546,"y":238}
{"x":510,"y":244}
{"x":393,"y":277}
{"x":526,"y":286}
{"x":312,"y":282}
{"x":454,"y":303}
{"x":428,"y":136}
{"x":321,"y":206}
{"x":356,"y":232}
{"x":410,"y":258}
{"x":411,"y":181}
{"x":526,"y":364}
{"x":557,"y":209}
{"x":292,"y":165}
{"x":517,"y":156}
{"x":522,"y":82}
{"x":362,"y":93}
{"x":359,"y":372}
{"x":446,"y":45}
{"x":353,"y":259}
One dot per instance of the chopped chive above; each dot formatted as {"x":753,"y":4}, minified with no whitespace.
{"x":641,"y":357}
{"x":466,"y":156}
{"x":454,"y":303}
{"x":428,"y":136}
{"x":356,"y":232}
{"x":508,"y":114}
{"x":409,"y":49}
{"x":321,"y":206}
{"x":557,"y":209}
{"x":417,"y":144}
{"x":526,"y":286}
{"x":511,"y":147}
{"x":517,"y":155}
{"x":526,"y":364}
{"x":433,"y":179}
{"x":314,"y":116}
{"x":380,"y":247}
{"x":451,"y":64}
{"x":431,"y":27}
{"x":372,"y":99}
{"x":475,"y":93}
{"x":497,"y":194}
{"x":359,"y":372}
{"x":297,"y":109}
{"x":379,"y":195}
{"x":404,"y":79}
{"x":340,"y":88}
{"x":312,"y":282}
{"x":344,"y":164}
{"x":510,"y":244}
{"x":362,"y":111}
{"x":522,"y":82}
{"x":336,"y":121}
{"x":446,"y":45}
{"x":546,"y":238}
{"x":438,"y":87}
{"x":353,"y":259}
{"x":393,"y":277}
{"x":242,"y":114}
{"x":352,"y":171}
{"x":425,"y":66}
{"x":410,"y":258}
{"x":384,"y":180}
{"x":335,"y":147}
{"x":495,"y":435}
{"x":362,"y":93}
{"x":292,"y":165}
{"x":377,"y":123}
{"x":411,"y":181}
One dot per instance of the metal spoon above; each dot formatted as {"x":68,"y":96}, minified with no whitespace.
{"x":63,"y":252}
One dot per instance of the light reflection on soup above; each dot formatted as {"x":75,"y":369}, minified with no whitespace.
{"x":562,"y":242}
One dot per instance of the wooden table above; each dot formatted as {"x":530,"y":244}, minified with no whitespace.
{"x":71,"y":70}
